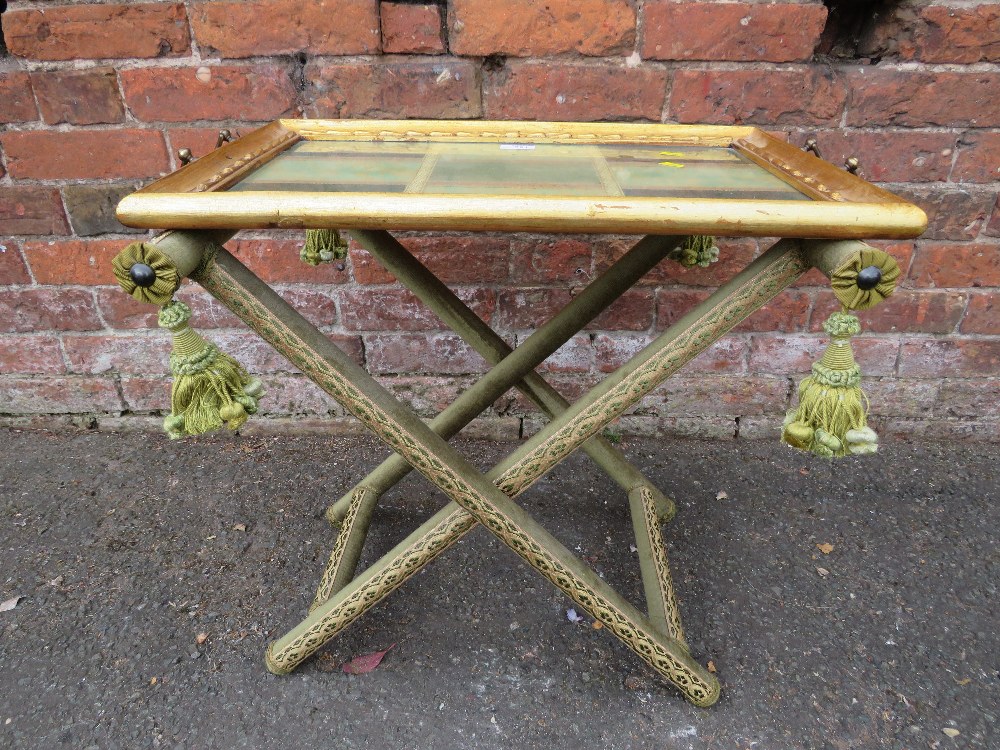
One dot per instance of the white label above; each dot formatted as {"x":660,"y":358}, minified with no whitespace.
{"x":517,"y":146}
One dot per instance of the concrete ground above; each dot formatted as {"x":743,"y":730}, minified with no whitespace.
{"x":127,"y":548}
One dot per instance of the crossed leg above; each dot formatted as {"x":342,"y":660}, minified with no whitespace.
{"x":512,"y":367}
{"x":475,"y":497}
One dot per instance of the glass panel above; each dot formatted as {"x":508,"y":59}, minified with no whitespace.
{"x":546,"y":169}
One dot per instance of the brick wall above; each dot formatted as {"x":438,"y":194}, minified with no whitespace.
{"x":96,"y":98}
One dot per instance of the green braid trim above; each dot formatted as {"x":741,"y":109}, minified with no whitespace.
{"x":837,"y":378}
{"x":842,"y":325}
{"x":173,"y":315}
{"x":191,"y":364}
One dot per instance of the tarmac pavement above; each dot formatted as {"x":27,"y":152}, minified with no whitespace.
{"x":848,"y":604}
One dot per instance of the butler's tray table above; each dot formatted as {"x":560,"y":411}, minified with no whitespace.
{"x":677,"y":185}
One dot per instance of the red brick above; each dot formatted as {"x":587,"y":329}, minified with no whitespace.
{"x":12,"y":268}
{"x":294,"y":395}
{"x":794,"y":354}
{"x":73,"y":261}
{"x":948,"y":264}
{"x":260,"y":358}
{"x":633,"y":311}
{"x":32,"y":210}
{"x":30,"y":355}
{"x":408,"y":353}
{"x":98,"y":31}
{"x":521,"y":309}
{"x":731,"y":31}
{"x":277,"y":261}
{"x":614,"y":350}
{"x":899,"y":156}
{"x":446,"y":88}
{"x":938,"y":34}
{"x":78,"y":97}
{"x":394,"y":309}
{"x":904,"y":311}
{"x":978,"y":157}
{"x":566,"y":91}
{"x":953,"y":213}
{"x":536,"y":28}
{"x":283,"y":27}
{"x":959,"y":35}
{"x":409,"y":28}
{"x":672,"y":304}
{"x":983,"y":315}
{"x":85,"y":154}
{"x":950,"y":358}
{"x":802,"y":96}
{"x":454,"y":259}
{"x":146,"y":394}
{"x":120,"y":310}
{"x":895,"y":398}
{"x":788,"y":312}
{"x":428,"y":394}
{"x":913,"y":98}
{"x":992,"y":228}
{"x":719,"y":394}
{"x":968,"y":398}
{"x":576,"y":355}
{"x":734,"y":255}
{"x":58,"y":395}
{"x":552,"y":261}
{"x":145,"y":352}
{"x":216,"y":92}
{"x":16,"y":101}
{"x":31,"y":310}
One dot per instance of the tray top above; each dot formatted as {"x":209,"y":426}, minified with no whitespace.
{"x":505,"y":169}
{"x":557,"y":177}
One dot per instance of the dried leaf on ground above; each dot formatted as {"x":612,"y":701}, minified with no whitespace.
{"x":367,"y":663}
{"x":951,"y":732}
{"x":10,"y":604}
{"x":201,"y":638}
{"x":597,"y":625}
{"x":711,"y":667}
{"x":722,"y":495}
{"x":964,"y":681}
{"x":826,"y":548}
{"x":240,"y":527}
{"x":823,"y":572}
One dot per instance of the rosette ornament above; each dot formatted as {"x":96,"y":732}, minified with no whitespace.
{"x":867,"y":279}
{"x":146,"y":273}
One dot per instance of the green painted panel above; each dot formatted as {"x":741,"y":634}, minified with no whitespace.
{"x":543,"y":169}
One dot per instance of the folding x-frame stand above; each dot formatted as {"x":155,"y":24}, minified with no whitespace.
{"x":488,"y":499}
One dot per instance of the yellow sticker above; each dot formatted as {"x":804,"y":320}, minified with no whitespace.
{"x":671,"y":164}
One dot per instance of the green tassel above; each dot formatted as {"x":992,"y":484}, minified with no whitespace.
{"x":697,"y":250}
{"x":831,"y":418}
{"x":322,"y":246}
{"x":210,"y":389}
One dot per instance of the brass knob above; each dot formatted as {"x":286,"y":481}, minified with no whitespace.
{"x":812,"y":147}
{"x":225,"y":136}
{"x":185,"y":155}
{"x":852,"y":165}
